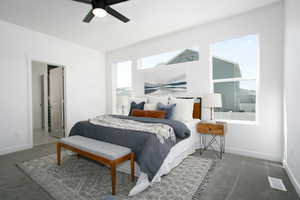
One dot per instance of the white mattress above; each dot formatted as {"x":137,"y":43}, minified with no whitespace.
{"x":177,"y":154}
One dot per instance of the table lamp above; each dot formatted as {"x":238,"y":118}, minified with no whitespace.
{"x":123,"y":102}
{"x":212,"y":100}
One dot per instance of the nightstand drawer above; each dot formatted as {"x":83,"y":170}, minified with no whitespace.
{"x":211,"y":129}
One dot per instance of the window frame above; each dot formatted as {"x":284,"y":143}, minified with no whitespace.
{"x":257,"y":79}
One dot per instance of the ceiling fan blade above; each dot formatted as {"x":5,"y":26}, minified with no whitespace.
{"x":84,"y":1}
{"x":116,"y":14}
{"x":112,"y":2}
{"x":89,"y":17}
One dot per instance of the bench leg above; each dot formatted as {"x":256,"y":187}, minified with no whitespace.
{"x":58,"y":153}
{"x":132,"y":166}
{"x":113,"y":178}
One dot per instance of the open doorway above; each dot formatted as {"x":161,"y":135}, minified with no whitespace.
{"x":47,"y":103}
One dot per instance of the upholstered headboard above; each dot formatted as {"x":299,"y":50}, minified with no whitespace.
{"x":197,"y":112}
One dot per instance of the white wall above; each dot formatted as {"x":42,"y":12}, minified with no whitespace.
{"x":292,"y":89}
{"x":38,"y":70}
{"x":85,"y":81}
{"x":263,"y":140}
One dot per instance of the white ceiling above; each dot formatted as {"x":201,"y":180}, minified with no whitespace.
{"x":149,"y":18}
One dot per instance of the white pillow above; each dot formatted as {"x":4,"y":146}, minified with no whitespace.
{"x":183,"y":110}
{"x":150,"y":106}
{"x":158,"y":99}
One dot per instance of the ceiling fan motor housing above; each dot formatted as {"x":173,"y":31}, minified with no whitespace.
{"x":98,"y":4}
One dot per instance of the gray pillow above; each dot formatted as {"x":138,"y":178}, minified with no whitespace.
{"x":169,"y":109}
{"x":134,"y":105}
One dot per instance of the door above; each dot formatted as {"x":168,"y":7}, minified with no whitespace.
{"x":56,"y":100}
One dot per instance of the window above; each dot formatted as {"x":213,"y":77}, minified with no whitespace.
{"x":123,"y":84}
{"x":169,"y":58}
{"x":234,"y":64}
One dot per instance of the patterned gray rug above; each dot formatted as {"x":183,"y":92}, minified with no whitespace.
{"x":82,"y":179}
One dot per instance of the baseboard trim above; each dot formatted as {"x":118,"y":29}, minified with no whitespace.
{"x":292,"y":177}
{"x":253,"y":154}
{"x":13,"y":149}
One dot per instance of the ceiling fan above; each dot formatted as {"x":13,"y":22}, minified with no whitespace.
{"x":100,"y":8}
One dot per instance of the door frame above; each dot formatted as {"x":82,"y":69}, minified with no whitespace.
{"x":29,"y":93}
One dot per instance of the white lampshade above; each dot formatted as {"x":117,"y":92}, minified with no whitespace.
{"x":213,"y":100}
{"x":122,"y":100}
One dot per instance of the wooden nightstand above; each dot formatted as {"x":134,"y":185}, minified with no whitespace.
{"x":215,"y":130}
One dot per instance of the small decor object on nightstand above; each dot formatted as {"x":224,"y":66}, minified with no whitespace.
{"x":216,"y":130}
{"x":213,"y":100}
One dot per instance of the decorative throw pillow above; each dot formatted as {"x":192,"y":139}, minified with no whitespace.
{"x":156,"y":114}
{"x":169,"y":109}
{"x":134,"y":105}
{"x":138,"y":113}
{"x":149,"y":113}
{"x":137,"y":99}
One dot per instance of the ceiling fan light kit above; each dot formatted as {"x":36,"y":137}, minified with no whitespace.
{"x":100,"y":8}
{"x":99,"y":12}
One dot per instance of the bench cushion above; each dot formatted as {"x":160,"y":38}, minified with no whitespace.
{"x":96,"y":147}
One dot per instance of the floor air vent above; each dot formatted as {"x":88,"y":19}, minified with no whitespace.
{"x":276,"y":183}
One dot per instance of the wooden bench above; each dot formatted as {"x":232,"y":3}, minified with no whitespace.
{"x":103,"y":152}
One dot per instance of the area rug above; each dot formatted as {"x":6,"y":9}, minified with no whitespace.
{"x":82,"y":179}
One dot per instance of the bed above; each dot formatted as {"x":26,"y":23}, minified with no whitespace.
{"x":160,"y":157}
